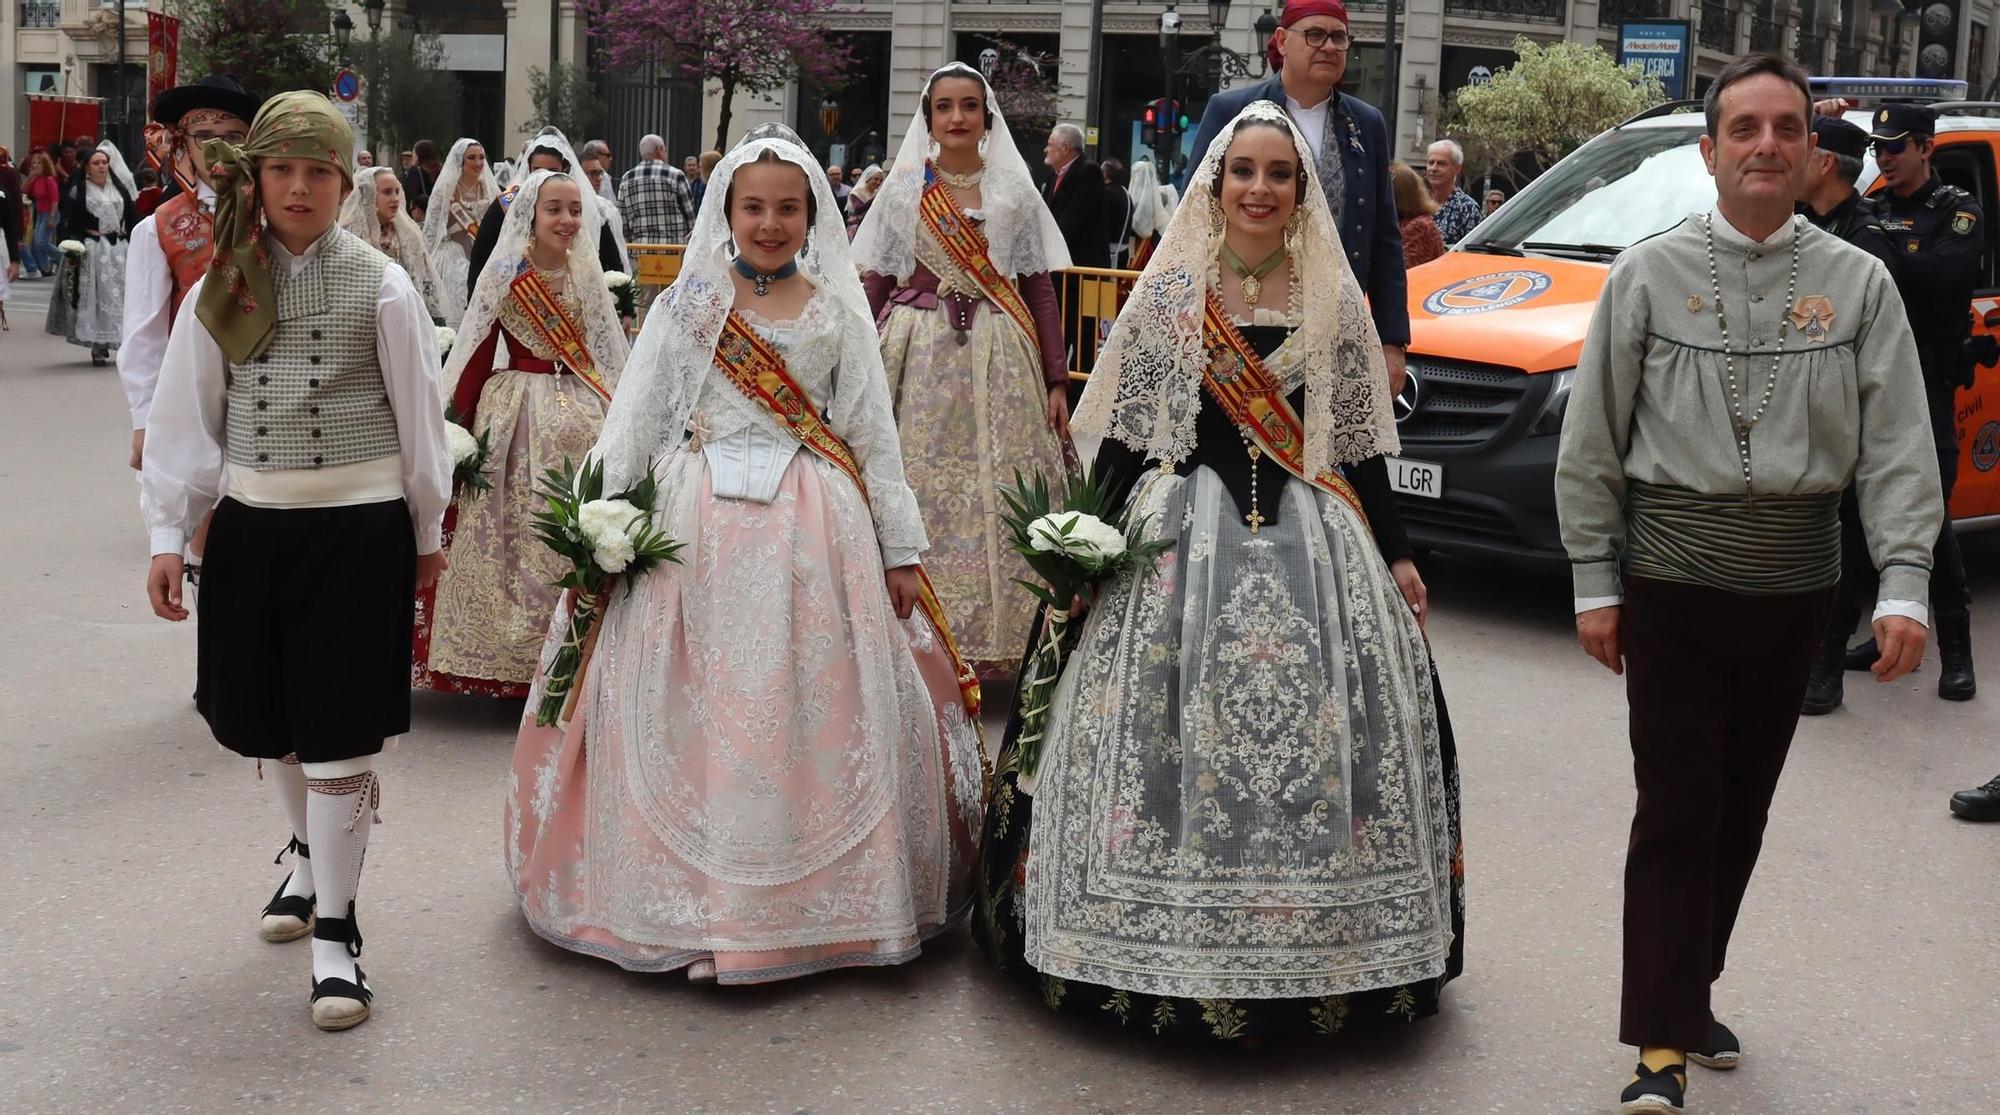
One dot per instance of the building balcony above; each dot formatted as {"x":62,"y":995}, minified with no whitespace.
{"x":1847,"y":60}
{"x":1511,"y":11}
{"x":1613,"y":14}
{"x":1766,"y":36}
{"x":1811,"y":51}
{"x":41,"y":13}
{"x":1718,"y":25}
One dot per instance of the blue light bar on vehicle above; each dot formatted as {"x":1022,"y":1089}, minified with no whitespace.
{"x":1875,"y":89}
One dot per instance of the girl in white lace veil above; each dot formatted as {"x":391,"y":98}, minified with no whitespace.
{"x":451,"y":223}
{"x":1149,"y":210}
{"x":1145,"y":389}
{"x":401,"y":239}
{"x":1022,"y":234}
{"x":676,"y":349}
{"x":1189,"y":773}
{"x":538,"y":404}
{"x":604,"y":336}
{"x":119,"y":172}
{"x":780,"y":777}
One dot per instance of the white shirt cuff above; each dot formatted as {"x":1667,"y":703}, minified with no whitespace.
{"x":169,"y":541}
{"x":897,"y":559}
{"x":1908,"y":609}
{"x":1592,"y":603}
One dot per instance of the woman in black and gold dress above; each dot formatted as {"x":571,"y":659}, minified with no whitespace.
{"x":1245,"y":818}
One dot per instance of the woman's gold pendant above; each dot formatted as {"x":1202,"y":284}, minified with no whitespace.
{"x":1253,"y":289}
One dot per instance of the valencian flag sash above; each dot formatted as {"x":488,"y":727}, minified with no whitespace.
{"x":533,"y":298}
{"x":1255,"y":401}
{"x":760,"y":373}
{"x":966,"y":245}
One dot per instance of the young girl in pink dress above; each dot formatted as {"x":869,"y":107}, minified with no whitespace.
{"x":773,"y":768}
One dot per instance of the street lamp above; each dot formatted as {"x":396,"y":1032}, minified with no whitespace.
{"x":343,"y":32}
{"x":371,"y":10}
{"x":1170,"y":45}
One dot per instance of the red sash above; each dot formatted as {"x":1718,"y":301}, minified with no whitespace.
{"x":1255,"y":401}
{"x":966,"y":245}
{"x":760,"y":373}
{"x":545,"y":315}
{"x":187,"y":236}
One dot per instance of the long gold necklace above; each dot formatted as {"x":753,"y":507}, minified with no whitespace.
{"x":1252,"y":278}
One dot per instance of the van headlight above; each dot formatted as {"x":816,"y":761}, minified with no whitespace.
{"x":1550,"y":420}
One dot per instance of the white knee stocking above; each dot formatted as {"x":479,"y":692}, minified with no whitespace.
{"x":340,"y":808}
{"x":289,"y":780}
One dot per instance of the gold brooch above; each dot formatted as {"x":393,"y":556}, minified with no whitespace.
{"x":1694,"y":303}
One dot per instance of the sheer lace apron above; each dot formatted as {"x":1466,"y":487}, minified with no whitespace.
{"x":100,"y":295}
{"x":779,"y":774}
{"x":969,"y":415}
{"x":1242,"y":794}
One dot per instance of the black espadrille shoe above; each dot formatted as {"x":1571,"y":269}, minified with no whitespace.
{"x":288,"y":918}
{"x":1721,"y":1050}
{"x":1661,"y":1092}
{"x":339,"y":1004}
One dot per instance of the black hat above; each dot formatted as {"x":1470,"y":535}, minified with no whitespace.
{"x":217,"y":91}
{"x":1838,"y":137}
{"x":1904,"y":121}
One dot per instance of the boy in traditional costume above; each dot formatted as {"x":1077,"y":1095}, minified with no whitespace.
{"x":303,"y":367}
{"x":171,"y":249}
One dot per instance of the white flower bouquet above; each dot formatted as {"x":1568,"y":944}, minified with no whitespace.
{"x":446,"y":337}
{"x":71,"y":272}
{"x":468,"y":453}
{"x":624,"y":291}
{"x":1072,"y":551}
{"x":71,"y":247}
{"x":601,"y":537}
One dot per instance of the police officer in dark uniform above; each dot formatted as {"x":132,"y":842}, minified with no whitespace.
{"x":1831,"y":202}
{"x":1936,"y":230}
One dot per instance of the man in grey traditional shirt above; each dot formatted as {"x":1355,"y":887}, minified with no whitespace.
{"x":1741,"y":370}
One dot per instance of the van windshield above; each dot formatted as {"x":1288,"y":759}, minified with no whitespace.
{"x":1616,"y":190}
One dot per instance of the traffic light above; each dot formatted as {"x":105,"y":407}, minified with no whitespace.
{"x":1939,"y":31}
{"x":1149,"y":124}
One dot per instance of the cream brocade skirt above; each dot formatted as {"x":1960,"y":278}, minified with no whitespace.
{"x":969,"y":416}
{"x":494,"y":602}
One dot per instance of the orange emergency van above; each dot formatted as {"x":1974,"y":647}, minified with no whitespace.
{"x":1496,"y":325}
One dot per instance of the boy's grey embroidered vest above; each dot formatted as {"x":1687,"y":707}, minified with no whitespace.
{"x":316,"y":398}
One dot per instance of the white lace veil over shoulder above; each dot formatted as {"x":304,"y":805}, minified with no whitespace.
{"x":437,"y":218}
{"x":359,"y":215}
{"x":1149,"y":210}
{"x":602,"y":333}
{"x":1145,"y":389}
{"x":1021,"y":233}
{"x":676,"y":349}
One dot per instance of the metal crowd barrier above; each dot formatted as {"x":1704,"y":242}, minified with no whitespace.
{"x":1090,"y":298}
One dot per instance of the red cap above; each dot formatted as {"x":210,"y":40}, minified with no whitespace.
{"x":1295,"y":11}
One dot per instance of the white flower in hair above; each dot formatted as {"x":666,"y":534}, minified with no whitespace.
{"x":464,"y":447}
{"x":1075,"y":534}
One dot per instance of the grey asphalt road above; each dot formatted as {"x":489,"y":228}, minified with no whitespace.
{"x":138,"y":854}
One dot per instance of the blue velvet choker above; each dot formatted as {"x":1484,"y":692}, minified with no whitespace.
{"x":764,"y":281}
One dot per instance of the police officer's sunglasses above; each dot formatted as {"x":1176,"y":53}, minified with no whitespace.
{"x":1892,"y":146}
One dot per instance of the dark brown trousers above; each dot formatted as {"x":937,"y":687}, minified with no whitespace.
{"x":1714,"y":680}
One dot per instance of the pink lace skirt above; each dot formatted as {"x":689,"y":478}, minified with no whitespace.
{"x":767,"y":769}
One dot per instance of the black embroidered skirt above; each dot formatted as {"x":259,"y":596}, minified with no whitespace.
{"x":304,"y":629}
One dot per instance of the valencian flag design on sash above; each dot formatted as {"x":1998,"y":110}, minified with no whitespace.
{"x":966,"y":245}
{"x":538,"y":304}
{"x":1255,"y":401}
{"x":760,"y":373}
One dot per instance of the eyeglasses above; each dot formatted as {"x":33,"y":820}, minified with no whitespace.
{"x":1319,"y":38}
{"x":1892,"y":146}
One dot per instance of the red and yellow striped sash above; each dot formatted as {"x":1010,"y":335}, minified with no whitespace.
{"x":966,"y":245}
{"x":760,"y":373}
{"x":1255,"y":401}
{"x":539,"y":305}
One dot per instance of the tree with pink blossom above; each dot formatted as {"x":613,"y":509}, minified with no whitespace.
{"x":756,"y":46}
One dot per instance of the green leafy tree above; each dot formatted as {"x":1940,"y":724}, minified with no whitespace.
{"x":566,"y":100}
{"x":272,"y":45}
{"x":1547,"y":104}
{"x":415,"y":96}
